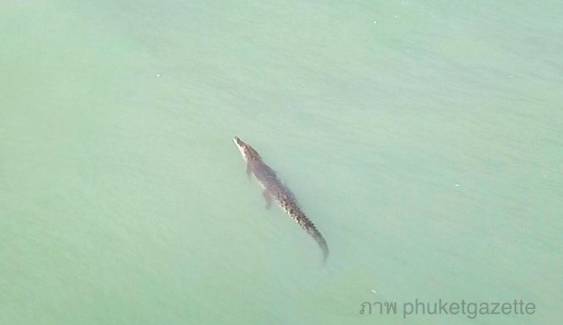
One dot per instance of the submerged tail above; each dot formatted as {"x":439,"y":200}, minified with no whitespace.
{"x":321,"y":241}
{"x":289,"y":205}
{"x":310,"y":228}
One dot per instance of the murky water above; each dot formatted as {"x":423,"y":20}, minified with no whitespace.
{"x":424,"y":140}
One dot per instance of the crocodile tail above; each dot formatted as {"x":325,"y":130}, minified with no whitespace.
{"x":321,"y":241}
{"x":310,"y":228}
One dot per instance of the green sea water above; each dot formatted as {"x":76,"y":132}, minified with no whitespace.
{"x":424,"y":139}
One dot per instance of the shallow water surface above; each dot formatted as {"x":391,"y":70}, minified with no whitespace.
{"x":423,"y":139}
